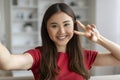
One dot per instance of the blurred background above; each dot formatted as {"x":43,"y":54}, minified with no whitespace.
{"x":20,"y":23}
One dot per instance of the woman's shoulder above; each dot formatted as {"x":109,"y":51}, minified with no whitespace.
{"x":35,"y":52}
{"x":36,"y":55}
{"x":35,"y":49}
{"x":89,"y":56}
{"x":87,"y":51}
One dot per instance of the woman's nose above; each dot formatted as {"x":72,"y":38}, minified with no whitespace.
{"x":61,"y":30}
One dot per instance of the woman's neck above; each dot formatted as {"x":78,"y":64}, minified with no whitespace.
{"x":61,"y":48}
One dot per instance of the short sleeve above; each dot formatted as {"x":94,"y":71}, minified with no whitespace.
{"x":36,"y":55}
{"x":89,"y":57}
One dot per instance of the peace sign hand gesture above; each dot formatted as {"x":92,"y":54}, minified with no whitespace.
{"x":90,"y":32}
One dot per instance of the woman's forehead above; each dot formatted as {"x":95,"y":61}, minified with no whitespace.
{"x":60,"y":16}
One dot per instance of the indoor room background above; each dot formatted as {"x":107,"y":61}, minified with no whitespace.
{"x":20,"y":22}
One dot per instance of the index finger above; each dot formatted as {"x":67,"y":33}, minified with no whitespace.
{"x":81,"y":25}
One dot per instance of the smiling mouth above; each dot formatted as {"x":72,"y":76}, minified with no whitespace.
{"x":61,"y":37}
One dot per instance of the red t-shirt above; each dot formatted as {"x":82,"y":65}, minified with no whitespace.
{"x":65,"y":73}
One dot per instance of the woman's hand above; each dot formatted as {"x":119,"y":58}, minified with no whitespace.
{"x":90,"y":31}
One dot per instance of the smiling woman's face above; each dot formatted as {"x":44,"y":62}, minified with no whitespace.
{"x":60,"y":28}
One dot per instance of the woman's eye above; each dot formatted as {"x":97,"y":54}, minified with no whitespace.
{"x":66,"y":24}
{"x":54,"y":26}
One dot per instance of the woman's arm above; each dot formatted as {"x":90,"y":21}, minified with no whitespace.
{"x":106,"y":59}
{"x":14,"y":62}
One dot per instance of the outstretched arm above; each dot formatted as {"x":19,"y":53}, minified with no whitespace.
{"x":14,"y":62}
{"x":106,"y":59}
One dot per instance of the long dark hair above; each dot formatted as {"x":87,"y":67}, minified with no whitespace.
{"x":49,"y":69}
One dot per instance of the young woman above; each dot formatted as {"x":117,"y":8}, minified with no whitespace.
{"x":61,"y":56}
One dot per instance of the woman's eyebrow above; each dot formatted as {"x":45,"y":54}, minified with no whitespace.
{"x":63,"y":22}
{"x":66,"y":21}
{"x":53,"y":23}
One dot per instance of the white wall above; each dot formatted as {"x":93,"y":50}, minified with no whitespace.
{"x":106,"y":18}
{"x":107,"y":22}
{"x":117,"y":69}
{"x":2,"y":28}
{"x":118,"y":21}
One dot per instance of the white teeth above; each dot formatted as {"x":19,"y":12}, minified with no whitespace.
{"x":61,"y":37}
